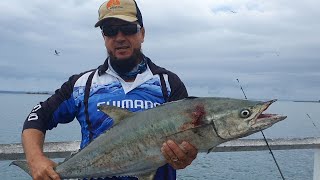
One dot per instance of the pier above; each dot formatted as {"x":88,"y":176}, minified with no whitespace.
{"x":64,"y":149}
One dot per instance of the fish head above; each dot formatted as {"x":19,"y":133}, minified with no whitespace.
{"x":243,"y":117}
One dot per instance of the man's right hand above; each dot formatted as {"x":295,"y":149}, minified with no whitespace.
{"x":41,"y":168}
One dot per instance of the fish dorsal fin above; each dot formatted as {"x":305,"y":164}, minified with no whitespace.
{"x":210,"y":150}
{"x":116,"y":113}
{"x":71,"y":155}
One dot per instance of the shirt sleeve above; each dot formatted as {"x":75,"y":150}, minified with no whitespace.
{"x":178,"y":89}
{"x":59,"y":108}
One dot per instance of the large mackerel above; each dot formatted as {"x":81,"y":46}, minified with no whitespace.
{"x":132,"y":146}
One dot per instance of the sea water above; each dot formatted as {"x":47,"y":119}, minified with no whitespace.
{"x":256,"y":165}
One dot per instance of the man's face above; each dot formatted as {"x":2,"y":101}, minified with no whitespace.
{"x":121,"y":45}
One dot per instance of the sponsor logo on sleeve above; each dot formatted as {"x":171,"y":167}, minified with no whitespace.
{"x":33,"y":116}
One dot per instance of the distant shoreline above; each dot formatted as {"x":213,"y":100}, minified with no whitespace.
{"x":38,"y":93}
{"x":50,"y":93}
{"x":26,"y":92}
{"x":309,"y":101}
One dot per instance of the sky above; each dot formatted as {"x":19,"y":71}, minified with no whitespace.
{"x":271,"y":46}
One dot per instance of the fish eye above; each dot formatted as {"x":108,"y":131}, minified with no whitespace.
{"x":245,"y":113}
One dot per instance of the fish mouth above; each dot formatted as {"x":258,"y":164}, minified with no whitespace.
{"x":265,"y":120}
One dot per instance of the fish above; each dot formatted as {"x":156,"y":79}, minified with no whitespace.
{"x":132,"y":146}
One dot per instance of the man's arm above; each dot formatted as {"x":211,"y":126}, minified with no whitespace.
{"x":40,"y":166}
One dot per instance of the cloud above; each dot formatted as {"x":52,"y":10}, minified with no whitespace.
{"x":266,"y":44}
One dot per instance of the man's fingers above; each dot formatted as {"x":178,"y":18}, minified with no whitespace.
{"x":168,"y":153}
{"x":171,"y":158}
{"x":52,"y":174}
{"x":165,"y":155}
{"x":189,"y":150}
{"x":179,"y":156}
{"x":179,"y":152}
{"x":44,"y":178}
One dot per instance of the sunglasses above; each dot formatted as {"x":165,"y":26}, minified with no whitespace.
{"x":128,"y":29}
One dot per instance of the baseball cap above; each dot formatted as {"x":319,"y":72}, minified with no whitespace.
{"x":126,"y":10}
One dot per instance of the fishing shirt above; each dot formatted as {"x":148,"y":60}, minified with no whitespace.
{"x":67,"y":103}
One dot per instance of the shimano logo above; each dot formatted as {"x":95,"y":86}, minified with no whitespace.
{"x":128,"y":103}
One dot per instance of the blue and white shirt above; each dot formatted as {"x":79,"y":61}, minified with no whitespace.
{"x":106,"y":88}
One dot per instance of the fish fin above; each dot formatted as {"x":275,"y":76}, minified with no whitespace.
{"x":116,"y":113}
{"x":210,"y":150}
{"x":148,"y":176}
{"x":21,"y":164}
{"x":70,"y":156}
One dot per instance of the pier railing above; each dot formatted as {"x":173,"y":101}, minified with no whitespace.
{"x":64,"y":149}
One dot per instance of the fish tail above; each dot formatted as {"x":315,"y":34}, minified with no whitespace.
{"x":21,"y":164}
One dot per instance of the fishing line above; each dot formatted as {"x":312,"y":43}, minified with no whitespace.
{"x":313,"y":123}
{"x":242,"y":89}
{"x":265,"y":139}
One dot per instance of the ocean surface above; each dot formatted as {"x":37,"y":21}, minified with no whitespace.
{"x":295,"y":164}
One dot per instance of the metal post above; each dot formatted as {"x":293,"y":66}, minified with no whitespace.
{"x":316,"y":170}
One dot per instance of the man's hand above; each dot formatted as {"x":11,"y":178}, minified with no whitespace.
{"x":41,"y":168}
{"x":179,"y":156}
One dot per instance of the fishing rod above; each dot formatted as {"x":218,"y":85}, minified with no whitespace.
{"x":313,"y":123}
{"x":242,"y":89}
{"x":265,"y":139}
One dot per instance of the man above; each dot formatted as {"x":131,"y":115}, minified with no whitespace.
{"x":127,"y":79}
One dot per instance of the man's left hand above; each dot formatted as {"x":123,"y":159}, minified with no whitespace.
{"x":179,"y":156}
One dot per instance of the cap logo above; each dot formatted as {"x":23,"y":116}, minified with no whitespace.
{"x":113,"y":4}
